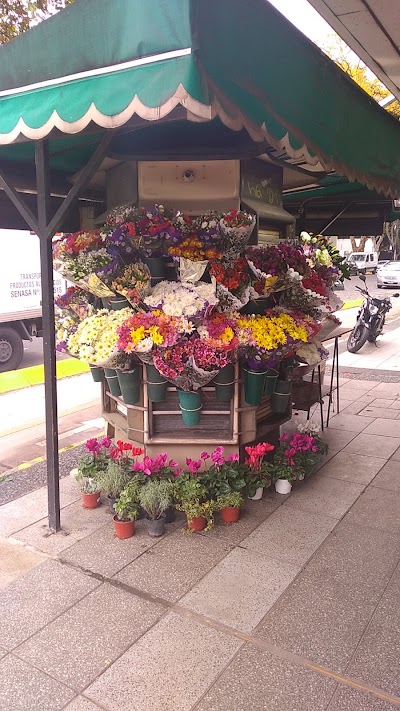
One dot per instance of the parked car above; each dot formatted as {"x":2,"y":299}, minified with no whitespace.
{"x":361,"y":262}
{"x":389,"y":275}
{"x":383,"y":263}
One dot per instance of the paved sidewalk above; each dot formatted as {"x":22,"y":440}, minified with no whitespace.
{"x":295,"y":608}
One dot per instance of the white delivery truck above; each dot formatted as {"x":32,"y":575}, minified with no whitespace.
{"x":20,"y":295}
{"x":363,"y":262}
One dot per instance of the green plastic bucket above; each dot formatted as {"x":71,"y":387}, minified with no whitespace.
{"x":157,"y":267}
{"x":281,"y":396}
{"x":129,"y":384}
{"x":190,"y":407}
{"x":271,"y":378}
{"x":105,"y":300}
{"x":254,"y":382}
{"x":225,"y":384}
{"x":118,"y":303}
{"x":112,"y":381}
{"x":156,"y":384}
{"x":97,"y":374}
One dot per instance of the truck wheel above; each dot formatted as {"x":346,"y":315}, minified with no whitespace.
{"x":11,"y":349}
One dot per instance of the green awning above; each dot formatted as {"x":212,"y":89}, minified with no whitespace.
{"x":101,"y":62}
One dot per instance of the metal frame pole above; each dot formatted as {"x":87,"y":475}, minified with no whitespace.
{"x":49,"y":342}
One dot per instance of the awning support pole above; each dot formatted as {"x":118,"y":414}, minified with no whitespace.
{"x":49,"y":341}
{"x":335,"y":217}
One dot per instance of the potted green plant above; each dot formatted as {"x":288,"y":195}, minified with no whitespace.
{"x":155,"y":497}
{"x":224,"y":475}
{"x":118,"y":472}
{"x":229,"y":505}
{"x":191,"y":496}
{"x":126,"y":510}
{"x":89,"y":468}
{"x":258,"y":469}
{"x":162,"y":469}
{"x":297,"y":456}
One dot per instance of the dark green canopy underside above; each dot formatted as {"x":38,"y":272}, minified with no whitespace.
{"x":239,"y":61}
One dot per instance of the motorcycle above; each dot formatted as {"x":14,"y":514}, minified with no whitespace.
{"x":370,"y":319}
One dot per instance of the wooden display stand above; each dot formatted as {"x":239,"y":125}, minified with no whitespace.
{"x":158,"y":427}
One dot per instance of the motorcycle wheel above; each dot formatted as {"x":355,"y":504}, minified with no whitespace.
{"x":357,"y":338}
{"x":371,"y":338}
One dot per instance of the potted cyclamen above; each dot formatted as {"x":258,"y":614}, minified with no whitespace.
{"x":159,"y":468}
{"x":229,"y":506}
{"x":155,"y":497}
{"x":297,"y":456}
{"x":113,"y":479}
{"x":258,"y":470}
{"x":126,"y":510}
{"x":90,"y":467}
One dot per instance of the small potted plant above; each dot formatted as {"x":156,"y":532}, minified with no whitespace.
{"x":155,"y":497}
{"x":229,"y":505}
{"x":297,"y":456}
{"x":159,"y":468}
{"x":113,"y":479}
{"x":191,"y":495}
{"x":90,"y":494}
{"x":258,"y":470}
{"x":89,"y":468}
{"x":126,"y":510}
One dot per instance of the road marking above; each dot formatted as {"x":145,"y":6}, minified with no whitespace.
{"x":38,"y":460}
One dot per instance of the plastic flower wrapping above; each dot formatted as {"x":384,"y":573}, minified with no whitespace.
{"x":191,"y":328}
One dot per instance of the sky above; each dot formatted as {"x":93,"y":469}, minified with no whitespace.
{"x":303,"y":16}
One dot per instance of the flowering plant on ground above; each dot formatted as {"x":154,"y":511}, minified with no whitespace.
{"x":232,"y":500}
{"x":133,"y":283}
{"x":182,"y":299}
{"x":158,"y":467}
{"x":297,"y":455}
{"x":191,"y":498}
{"x":221,"y":474}
{"x":92,"y":463}
{"x":141,"y":332}
{"x":95,"y":339}
{"x":258,"y":472}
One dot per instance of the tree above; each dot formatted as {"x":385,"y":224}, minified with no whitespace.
{"x":392,"y":232}
{"x":345,"y":58}
{"x":360,"y":246}
{"x":17,"y":16}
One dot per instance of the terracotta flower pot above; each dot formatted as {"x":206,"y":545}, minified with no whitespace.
{"x":197,"y":524}
{"x":230,"y":514}
{"x":90,"y":501}
{"x":123,"y":529}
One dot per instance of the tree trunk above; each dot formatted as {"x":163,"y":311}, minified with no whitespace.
{"x":361,"y":246}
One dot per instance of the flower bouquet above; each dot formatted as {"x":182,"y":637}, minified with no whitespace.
{"x":142,"y":332}
{"x":133,"y":283}
{"x":208,"y":361}
{"x":85,"y":260}
{"x":236,"y":227}
{"x":75,"y":300}
{"x":95,"y":339}
{"x":192,"y":301}
{"x":233,"y":280}
{"x":219,"y":333}
{"x":121,"y":215}
{"x":66,"y":324}
{"x":193,"y":257}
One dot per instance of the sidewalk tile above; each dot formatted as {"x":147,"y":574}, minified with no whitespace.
{"x":23,"y":687}
{"x":371,"y":411}
{"x":396,"y":456}
{"x":15,"y":560}
{"x":377,"y":658}
{"x":37,"y":598}
{"x":325,"y":496}
{"x":241,"y":589}
{"x":290,"y":535}
{"x":389,"y":476}
{"x":352,"y":467}
{"x":325,"y":459}
{"x":349,"y":423}
{"x":32,"y":507}
{"x":364,"y":385}
{"x":251,"y":515}
{"x":387,"y":390}
{"x":77,"y":522}
{"x":80,"y":644}
{"x":396,"y":405}
{"x":380,"y":426}
{"x":170,"y":668}
{"x":370,"y":445}
{"x":355,"y":407}
{"x":105,"y":554}
{"x":260,"y":681}
{"x":81,"y":704}
{"x":174,"y":565}
{"x":377,"y":508}
{"x":383,"y":403}
{"x":337,"y":439}
{"x":323,"y":614}
{"x":351,"y":394}
{"x":346,"y":699}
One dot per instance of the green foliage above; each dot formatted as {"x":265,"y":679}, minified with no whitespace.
{"x":234,"y":499}
{"x":17,"y":16}
{"x":127,"y":505}
{"x":193,"y":508}
{"x":188,"y":488}
{"x":113,"y":479}
{"x":221,"y":481}
{"x":255,"y":479}
{"x":88,"y":467}
{"x":89,"y":486}
{"x":155,"y":497}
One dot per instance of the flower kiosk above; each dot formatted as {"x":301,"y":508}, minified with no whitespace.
{"x":192,"y":333}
